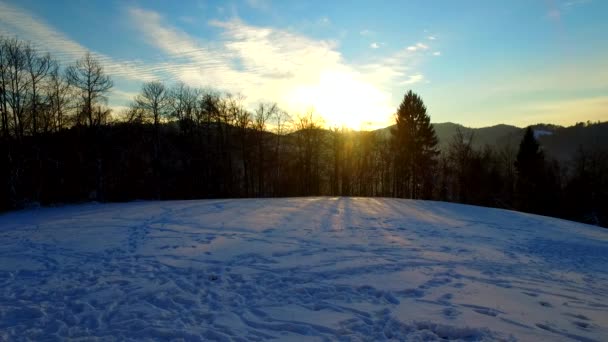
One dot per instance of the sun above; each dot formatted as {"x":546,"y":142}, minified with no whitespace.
{"x":343,"y":99}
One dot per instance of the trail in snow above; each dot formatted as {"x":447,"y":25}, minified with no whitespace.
{"x":310,"y":268}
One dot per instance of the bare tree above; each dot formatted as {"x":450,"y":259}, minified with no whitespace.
{"x":134,"y":114}
{"x":102,"y":114}
{"x":4,"y":87}
{"x":17,"y":84}
{"x":506,"y":157}
{"x":460,"y":155}
{"x":89,"y":79}
{"x":243,"y":121}
{"x":58,"y":92}
{"x":183,"y":101}
{"x":262,"y":114}
{"x":308,"y":145}
{"x":154,"y":101}
{"x":37,"y":68}
{"x":280,"y":121}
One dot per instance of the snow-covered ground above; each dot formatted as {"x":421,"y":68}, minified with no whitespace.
{"x":349,"y":269}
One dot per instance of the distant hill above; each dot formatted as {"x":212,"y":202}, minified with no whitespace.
{"x":564,"y":141}
{"x":498,"y":135}
{"x":557,"y":141}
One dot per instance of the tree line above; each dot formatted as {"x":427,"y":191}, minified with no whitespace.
{"x":61,"y":143}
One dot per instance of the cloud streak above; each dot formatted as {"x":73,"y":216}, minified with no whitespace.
{"x":263,"y":63}
{"x":418,"y":47}
{"x":16,"y":22}
{"x":273,"y":64}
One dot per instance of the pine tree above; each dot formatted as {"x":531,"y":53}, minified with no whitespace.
{"x":415,"y":148}
{"x":530,"y":168}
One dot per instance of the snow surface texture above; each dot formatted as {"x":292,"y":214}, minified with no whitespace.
{"x":346,"y":269}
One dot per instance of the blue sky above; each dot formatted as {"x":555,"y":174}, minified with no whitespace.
{"x":478,"y":63}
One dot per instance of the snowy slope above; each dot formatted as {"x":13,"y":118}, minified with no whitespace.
{"x":351,"y":269}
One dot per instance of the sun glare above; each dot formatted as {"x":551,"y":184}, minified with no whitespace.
{"x":343,"y":100}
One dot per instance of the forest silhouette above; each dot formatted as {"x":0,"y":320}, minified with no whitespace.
{"x":61,"y":143}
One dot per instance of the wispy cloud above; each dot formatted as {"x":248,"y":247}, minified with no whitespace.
{"x":273,"y":64}
{"x":125,"y":96}
{"x":17,"y":22}
{"x":263,"y":63}
{"x":437,"y":53}
{"x":574,"y":3}
{"x":412,"y":79}
{"x":417,"y":47}
{"x":374,"y":45}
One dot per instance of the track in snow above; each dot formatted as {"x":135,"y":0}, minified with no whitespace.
{"x":300,"y":268}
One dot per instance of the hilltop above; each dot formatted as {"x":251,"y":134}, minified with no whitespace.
{"x":321,"y":268}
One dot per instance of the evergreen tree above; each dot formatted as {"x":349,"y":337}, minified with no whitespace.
{"x":415,"y":148}
{"x":529,"y":166}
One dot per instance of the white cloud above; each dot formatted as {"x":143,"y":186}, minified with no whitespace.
{"x":417,"y":47}
{"x":125,"y":96}
{"x":16,"y":22}
{"x":437,"y":53}
{"x":412,"y":79}
{"x":261,"y":62}
{"x":272,"y":64}
{"x":374,"y":45}
{"x":431,"y":37}
{"x":366,"y":32}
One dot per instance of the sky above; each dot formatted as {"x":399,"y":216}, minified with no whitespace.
{"x":477,"y":63}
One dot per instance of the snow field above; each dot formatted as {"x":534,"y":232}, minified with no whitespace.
{"x":319,"y":269}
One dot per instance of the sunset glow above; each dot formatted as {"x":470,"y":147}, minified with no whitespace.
{"x":469,"y":62}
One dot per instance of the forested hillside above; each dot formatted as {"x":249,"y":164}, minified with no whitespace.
{"x":557,"y":141}
{"x":61,"y":143}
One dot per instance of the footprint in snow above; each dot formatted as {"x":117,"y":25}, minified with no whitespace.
{"x":451,"y":312}
{"x":445,"y":299}
{"x":544,"y":326}
{"x":487,"y":312}
{"x":483,"y":310}
{"x":579,"y":316}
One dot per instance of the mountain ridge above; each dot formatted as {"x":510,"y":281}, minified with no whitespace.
{"x":557,"y":141}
